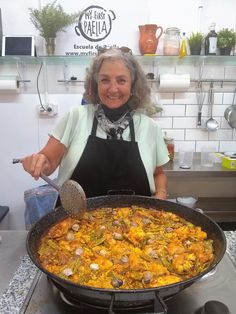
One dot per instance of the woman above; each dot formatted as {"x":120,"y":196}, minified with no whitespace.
{"x":95,"y":144}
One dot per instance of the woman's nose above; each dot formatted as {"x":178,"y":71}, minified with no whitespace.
{"x":113,"y":86}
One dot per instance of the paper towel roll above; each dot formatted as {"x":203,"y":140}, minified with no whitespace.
{"x":9,"y":84}
{"x":174,"y":82}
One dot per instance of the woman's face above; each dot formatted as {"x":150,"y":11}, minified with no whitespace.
{"x":114,"y":83}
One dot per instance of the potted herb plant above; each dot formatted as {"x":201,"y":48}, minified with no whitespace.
{"x":195,"y":41}
{"x":226,"y":40}
{"x":49,"y":20}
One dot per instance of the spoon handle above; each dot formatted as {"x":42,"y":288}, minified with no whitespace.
{"x":211,"y":99}
{"x":199,"y":119}
{"x":43,"y":176}
{"x":50,"y":182}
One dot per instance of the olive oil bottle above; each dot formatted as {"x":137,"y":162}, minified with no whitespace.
{"x":184,"y":49}
{"x":211,"y":41}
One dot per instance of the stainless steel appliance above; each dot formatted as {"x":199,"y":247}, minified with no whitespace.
{"x":219,"y":284}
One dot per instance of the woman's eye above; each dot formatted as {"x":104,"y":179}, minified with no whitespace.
{"x":122,"y":81}
{"x":104,"y":80}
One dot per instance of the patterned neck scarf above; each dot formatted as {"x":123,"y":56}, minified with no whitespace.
{"x":113,"y":129}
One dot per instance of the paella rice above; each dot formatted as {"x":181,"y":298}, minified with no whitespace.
{"x":125,"y":248}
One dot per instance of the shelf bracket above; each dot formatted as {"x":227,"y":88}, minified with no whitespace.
{"x":65,"y":72}
{"x":20,"y":66}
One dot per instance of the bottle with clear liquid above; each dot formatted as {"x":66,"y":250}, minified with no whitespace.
{"x":211,"y":41}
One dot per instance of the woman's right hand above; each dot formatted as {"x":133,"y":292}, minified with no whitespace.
{"x":46,"y":161}
{"x":36,"y":164}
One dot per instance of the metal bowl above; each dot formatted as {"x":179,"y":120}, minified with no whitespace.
{"x":230,"y":115}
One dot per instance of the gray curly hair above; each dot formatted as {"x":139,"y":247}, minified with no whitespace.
{"x":140,"y":91}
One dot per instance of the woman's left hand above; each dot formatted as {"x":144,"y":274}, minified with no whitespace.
{"x":161,"y":194}
{"x":160,"y":184}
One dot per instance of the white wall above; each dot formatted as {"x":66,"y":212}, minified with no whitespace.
{"x":23,"y":132}
{"x":184,"y":14}
{"x":188,"y":17}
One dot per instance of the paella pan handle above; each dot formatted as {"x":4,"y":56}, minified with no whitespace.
{"x":159,"y":305}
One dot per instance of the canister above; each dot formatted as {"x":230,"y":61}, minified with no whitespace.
{"x":229,"y":163}
{"x":228,"y":160}
{"x":170,"y":146}
{"x":172,"y":40}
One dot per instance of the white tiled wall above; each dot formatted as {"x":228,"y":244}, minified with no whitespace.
{"x":23,"y":132}
{"x":180,"y":110}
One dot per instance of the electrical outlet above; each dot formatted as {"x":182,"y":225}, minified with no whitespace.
{"x":48,"y":110}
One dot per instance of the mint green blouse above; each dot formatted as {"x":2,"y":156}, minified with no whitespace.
{"x":75,"y":127}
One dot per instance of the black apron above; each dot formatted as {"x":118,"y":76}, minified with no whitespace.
{"x":111,"y":164}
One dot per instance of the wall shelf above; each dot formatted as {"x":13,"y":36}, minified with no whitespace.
{"x":161,"y":60}
{"x":189,"y":60}
{"x":61,"y":68}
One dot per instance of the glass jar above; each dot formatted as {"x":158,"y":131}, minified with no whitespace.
{"x":172,"y":41}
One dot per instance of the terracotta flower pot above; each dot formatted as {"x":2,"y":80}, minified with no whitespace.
{"x":195,"y":50}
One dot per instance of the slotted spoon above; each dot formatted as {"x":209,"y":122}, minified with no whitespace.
{"x":72,"y":195}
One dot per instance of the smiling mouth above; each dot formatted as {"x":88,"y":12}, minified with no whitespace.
{"x":113,"y":97}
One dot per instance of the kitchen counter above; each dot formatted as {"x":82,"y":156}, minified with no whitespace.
{"x":173,"y":170}
{"x":17,"y":272}
{"x":215,"y":187}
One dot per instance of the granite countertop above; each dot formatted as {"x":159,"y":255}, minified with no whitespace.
{"x":13,"y":297}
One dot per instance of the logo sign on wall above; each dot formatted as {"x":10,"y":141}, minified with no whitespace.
{"x":95,"y":24}
{"x":103,"y":25}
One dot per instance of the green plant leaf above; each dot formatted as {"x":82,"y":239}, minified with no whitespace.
{"x":51,"y":19}
{"x":226,"y":38}
{"x":195,"y":39}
